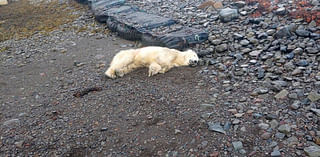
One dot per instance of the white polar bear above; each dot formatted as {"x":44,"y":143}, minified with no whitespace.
{"x":157,"y":59}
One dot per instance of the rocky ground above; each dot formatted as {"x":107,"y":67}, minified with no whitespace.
{"x":256,"y":92}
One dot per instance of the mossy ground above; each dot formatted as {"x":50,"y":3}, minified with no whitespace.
{"x":22,"y":19}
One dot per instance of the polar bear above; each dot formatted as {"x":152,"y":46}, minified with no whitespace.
{"x":157,"y":59}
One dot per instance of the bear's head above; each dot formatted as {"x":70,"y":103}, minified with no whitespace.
{"x":191,"y":57}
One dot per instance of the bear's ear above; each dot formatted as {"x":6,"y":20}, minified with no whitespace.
{"x":190,"y":51}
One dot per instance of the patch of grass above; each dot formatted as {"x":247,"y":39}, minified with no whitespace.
{"x":2,"y":49}
{"x":21,"y":19}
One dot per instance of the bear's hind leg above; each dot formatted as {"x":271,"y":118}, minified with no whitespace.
{"x":165,"y":69}
{"x":154,"y":68}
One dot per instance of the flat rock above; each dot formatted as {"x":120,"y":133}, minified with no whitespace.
{"x":216,"y":42}
{"x":316,"y":111}
{"x":239,"y":4}
{"x":255,"y":53}
{"x":221,"y":48}
{"x":266,"y":135}
{"x":276,"y":153}
{"x":237,"y":145}
{"x":312,"y":151}
{"x":263,"y":126}
{"x":206,"y":106}
{"x":280,"y":135}
{"x":303,"y":33}
{"x":283,"y":32}
{"x":282,"y":94}
{"x":281,"y":11}
{"x":19,"y":144}
{"x":285,"y":128}
{"x":244,"y":42}
{"x":296,"y":71}
{"x":274,"y":123}
{"x":280,"y":83}
{"x":313,"y":96}
{"x":228,"y":14}
{"x":11,"y":122}
{"x":216,"y":127}
{"x":303,"y":63}
{"x":292,"y":141}
{"x":295,"y":105}
{"x":312,"y":50}
{"x":236,"y":121}
{"x":237,"y":36}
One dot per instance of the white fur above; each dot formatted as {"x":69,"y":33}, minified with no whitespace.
{"x":157,"y":59}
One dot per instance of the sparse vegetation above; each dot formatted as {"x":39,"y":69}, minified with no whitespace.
{"x":28,"y":19}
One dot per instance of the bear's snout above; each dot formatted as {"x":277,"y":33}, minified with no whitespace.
{"x":193,"y":62}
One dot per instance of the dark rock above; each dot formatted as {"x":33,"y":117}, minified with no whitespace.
{"x":283,"y":32}
{"x":303,"y":33}
{"x":255,"y":20}
{"x":271,"y":116}
{"x":309,"y":138}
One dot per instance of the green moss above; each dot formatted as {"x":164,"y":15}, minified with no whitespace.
{"x":21,"y":19}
